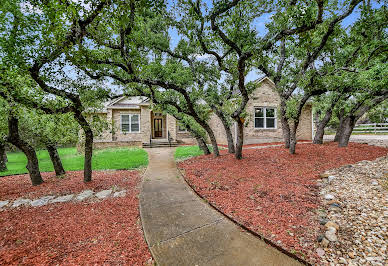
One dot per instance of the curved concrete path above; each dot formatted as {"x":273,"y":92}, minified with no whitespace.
{"x":181,"y":229}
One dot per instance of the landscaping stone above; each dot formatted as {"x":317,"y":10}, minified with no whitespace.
{"x":60,"y":199}
{"x":332,"y":224}
{"x":42,"y":201}
{"x":331,"y":236}
{"x":3,"y":203}
{"x":103,"y":194}
{"x":329,"y":197}
{"x":335,"y":205}
{"x":323,"y":221}
{"x":330,"y":178}
{"x":20,"y":202}
{"x":325,"y":242}
{"x":84,"y":195}
{"x":121,"y":193}
{"x":320,"y":252}
{"x":362,"y":216}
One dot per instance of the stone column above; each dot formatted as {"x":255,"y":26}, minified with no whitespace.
{"x":145,"y":123}
{"x":172,"y":127}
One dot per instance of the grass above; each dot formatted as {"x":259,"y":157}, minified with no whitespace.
{"x":184,"y":152}
{"x":111,"y":158}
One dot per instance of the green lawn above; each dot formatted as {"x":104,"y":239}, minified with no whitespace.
{"x":184,"y":152}
{"x":112,"y":158}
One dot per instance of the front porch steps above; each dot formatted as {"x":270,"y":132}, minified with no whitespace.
{"x":160,"y":144}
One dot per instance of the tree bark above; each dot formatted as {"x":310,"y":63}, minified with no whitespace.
{"x":88,"y":145}
{"x":3,"y":158}
{"x":55,"y":159}
{"x":228,"y":132}
{"x":28,"y":150}
{"x":285,"y":125}
{"x":240,"y":139}
{"x":320,"y":132}
{"x":341,"y":117}
{"x":339,"y":130}
{"x":202,"y":145}
{"x":293,"y":138}
{"x":347,"y":129}
{"x":213,"y":140}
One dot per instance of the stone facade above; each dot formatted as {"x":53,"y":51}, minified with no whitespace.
{"x":265,"y":96}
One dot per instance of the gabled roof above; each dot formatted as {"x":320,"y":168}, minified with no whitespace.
{"x":260,"y":80}
{"x":124,"y":102}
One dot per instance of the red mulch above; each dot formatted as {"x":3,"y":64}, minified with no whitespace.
{"x":73,"y":233}
{"x":272,"y":192}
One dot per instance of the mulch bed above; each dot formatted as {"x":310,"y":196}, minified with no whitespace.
{"x":74,"y":233}
{"x":272,"y":192}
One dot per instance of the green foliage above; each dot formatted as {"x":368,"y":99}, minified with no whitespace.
{"x":113,"y":158}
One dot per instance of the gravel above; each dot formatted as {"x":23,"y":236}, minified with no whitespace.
{"x":361,"y":192}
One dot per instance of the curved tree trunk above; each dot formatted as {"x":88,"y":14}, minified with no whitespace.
{"x":338,"y":133}
{"x":3,"y":158}
{"x":202,"y":145}
{"x":211,"y":136}
{"x":228,"y":132}
{"x":293,"y":138}
{"x":320,"y":132}
{"x":347,"y":129}
{"x":240,"y":139}
{"x":28,"y":150}
{"x":55,"y":159}
{"x":285,"y":125}
{"x":88,"y":145}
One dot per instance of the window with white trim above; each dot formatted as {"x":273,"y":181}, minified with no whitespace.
{"x":130,"y":123}
{"x":265,"y":117}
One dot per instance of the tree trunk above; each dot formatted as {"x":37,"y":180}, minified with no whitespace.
{"x":320,"y":132}
{"x":285,"y":125}
{"x":293,"y":138}
{"x":88,"y":145}
{"x":228,"y":132}
{"x":213,"y":140}
{"x":202,"y":145}
{"x":240,"y":139}
{"x":55,"y":159}
{"x":28,"y":150}
{"x":347,"y":129}
{"x":338,"y":133}
{"x":3,"y":158}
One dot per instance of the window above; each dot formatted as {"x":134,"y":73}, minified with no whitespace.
{"x":130,"y":123}
{"x":265,"y":117}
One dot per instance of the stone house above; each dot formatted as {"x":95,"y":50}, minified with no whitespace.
{"x":134,"y":123}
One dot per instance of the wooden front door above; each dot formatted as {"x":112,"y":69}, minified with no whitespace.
{"x":158,"y":127}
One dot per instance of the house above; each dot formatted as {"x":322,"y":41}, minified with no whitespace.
{"x":133,"y":123}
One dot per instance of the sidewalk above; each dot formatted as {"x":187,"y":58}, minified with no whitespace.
{"x":181,"y":229}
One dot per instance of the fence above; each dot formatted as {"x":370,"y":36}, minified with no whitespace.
{"x":375,"y":128}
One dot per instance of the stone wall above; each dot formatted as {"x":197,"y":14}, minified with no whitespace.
{"x":264,"y":96}
{"x":145,"y":124}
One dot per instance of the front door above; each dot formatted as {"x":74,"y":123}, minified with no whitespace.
{"x":158,"y":127}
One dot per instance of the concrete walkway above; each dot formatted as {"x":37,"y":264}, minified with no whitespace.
{"x":181,"y":229}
